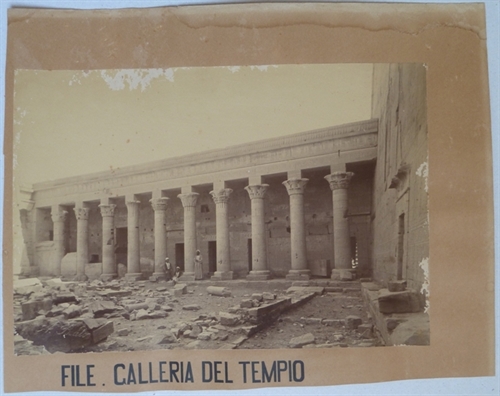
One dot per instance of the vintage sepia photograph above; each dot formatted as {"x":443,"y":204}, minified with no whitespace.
{"x":240,"y":207}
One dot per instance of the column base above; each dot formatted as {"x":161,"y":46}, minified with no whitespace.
{"x":222,"y":275}
{"x":343,"y":274}
{"x":108,"y":277}
{"x":133,"y":276}
{"x":259,"y":275}
{"x":304,"y":274}
{"x":157,"y":276}
{"x":187,"y":277}
{"x":80,"y":278}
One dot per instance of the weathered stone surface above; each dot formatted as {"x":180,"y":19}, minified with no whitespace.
{"x":27,"y":286}
{"x":182,"y":287}
{"x":115,"y":293}
{"x":316,"y":321}
{"x":227,"y":319}
{"x":64,"y":297}
{"x":299,"y":342}
{"x":342,"y":275}
{"x":219,"y":291}
{"x":398,"y":302}
{"x":158,"y":315}
{"x":142,"y":314}
{"x":352,"y":322}
{"x":396,"y":286}
{"x":318,"y":290}
{"x":269,"y":312}
{"x":55,"y":311}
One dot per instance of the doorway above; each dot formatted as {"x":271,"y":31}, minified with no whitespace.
{"x":179,"y":256}
{"x":212,"y":256}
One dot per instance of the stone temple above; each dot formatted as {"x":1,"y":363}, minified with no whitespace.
{"x":339,"y":202}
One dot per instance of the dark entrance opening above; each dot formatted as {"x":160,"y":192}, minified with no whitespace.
{"x":212,"y":256}
{"x":354,"y":253}
{"x":179,"y":256}
{"x":121,"y":245}
{"x":249,"y":247}
{"x":401,"y":244}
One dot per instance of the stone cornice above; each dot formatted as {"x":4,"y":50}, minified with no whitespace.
{"x":354,"y":136}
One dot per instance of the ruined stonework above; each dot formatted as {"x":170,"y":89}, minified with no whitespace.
{"x":340,"y":203}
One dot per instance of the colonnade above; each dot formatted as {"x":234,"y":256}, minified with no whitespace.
{"x":339,"y":183}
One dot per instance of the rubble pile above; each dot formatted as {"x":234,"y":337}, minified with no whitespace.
{"x":56,"y":316}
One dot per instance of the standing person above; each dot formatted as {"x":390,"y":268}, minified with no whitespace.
{"x":168,"y":269}
{"x":198,"y":266}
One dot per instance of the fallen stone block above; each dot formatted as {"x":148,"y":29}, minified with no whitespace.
{"x":333,"y":289}
{"x":147,"y":338}
{"x":72,"y":311}
{"x":123,"y":332}
{"x":318,"y":290}
{"x":191,"y":307}
{"x":168,"y":338}
{"x":178,"y":292}
{"x":182,"y":287}
{"x":269,"y":312}
{"x":102,"y":332}
{"x":115,"y":293}
{"x":193,"y":345}
{"x":31,"y":309}
{"x":342,"y":275}
{"x":352,"y":322}
{"x":398,"y":302}
{"x":142,"y":314}
{"x":257,"y":296}
{"x":64,"y":298}
{"x":205,"y":336}
{"x":266,"y":296}
{"x":27,"y":286}
{"x":316,"y":321}
{"x":136,"y":307}
{"x":333,"y":322}
{"x":55,"y":311}
{"x":247,"y":303}
{"x":396,"y":286}
{"x":219,"y":291}
{"x":228,"y":319}
{"x":158,"y":315}
{"x":299,"y":342}
{"x":100,"y":308}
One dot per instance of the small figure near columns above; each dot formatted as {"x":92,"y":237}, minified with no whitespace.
{"x":295,"y":188}
{"x":108,"y":242}
{"x":198,"y":266}
{"x":339,"y":182}
{"x":259,"y":255}
{"x":221,"y":197}
{"x":82,"y":242}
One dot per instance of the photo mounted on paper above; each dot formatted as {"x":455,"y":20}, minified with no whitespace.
{"x":252,"y":207}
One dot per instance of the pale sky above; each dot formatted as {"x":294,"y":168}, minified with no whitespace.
{"x":75,"y":122}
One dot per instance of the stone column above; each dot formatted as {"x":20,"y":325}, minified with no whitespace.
{"x":82,"y":242}
{"x":259,"y":257}
{"x":108,"y":242}
{"x":58,"y":218}
{"x":221,"y":198}
{"x":189,"y":204}
{"x":133,"y":252}
{"x":295,"y":188}
{"x":339,"y":182}
{"x":160,"y":207}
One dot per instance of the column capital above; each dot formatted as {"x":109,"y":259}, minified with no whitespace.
{"x":159,"y":204}
{"x":107,"y":210}
{"x":221,"y":196}
{"x":339,"y":180}
{"x":82,"y":213}
{"x":295,"y":186}
{"x":257,"y":191}
{"x":132,"y":203}
{"x":59,"y":216}
{"x":188,"y":199}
